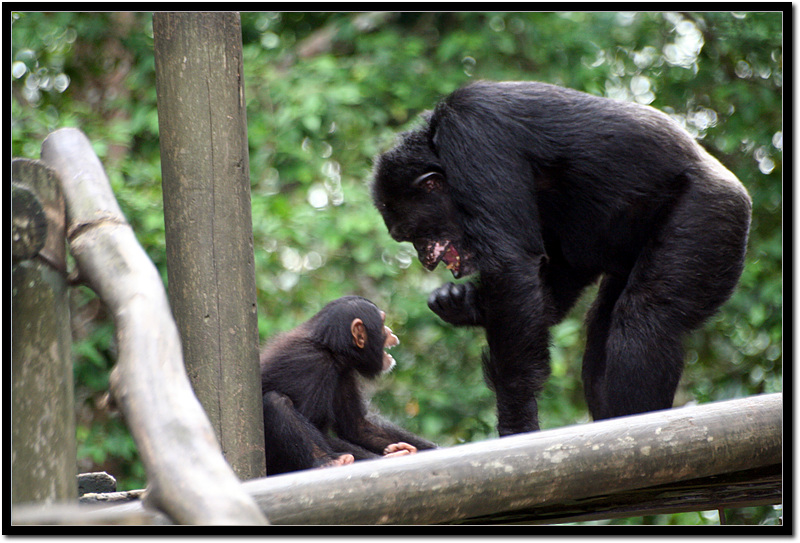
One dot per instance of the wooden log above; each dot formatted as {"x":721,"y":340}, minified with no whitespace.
{"x":43,"y":451}
{"x":40,"y":180}
{"x":111,"y":497}
{"x":525,"y":470}
{"x":512,"y":479}
{"x":187,"y":475}
{"x":96,"y":482}
{"x":749,"y":488}
{"x":127,"y":513}
{"x":728,"y":491}
{"x":209,"y":232}
{"x":28,"y":223}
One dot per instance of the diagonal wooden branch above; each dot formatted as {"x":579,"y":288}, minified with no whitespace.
{"x":188,"y":477}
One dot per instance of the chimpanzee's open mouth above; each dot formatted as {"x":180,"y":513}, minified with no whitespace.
{"x":388,"y":362}
{"x":433,"y":252}
{"x":391,"y":340}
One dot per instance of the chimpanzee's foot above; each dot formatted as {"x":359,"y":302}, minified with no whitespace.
{"x":342,"y":460}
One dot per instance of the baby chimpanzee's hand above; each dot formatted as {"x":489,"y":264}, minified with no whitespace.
{"x":399,"y":449}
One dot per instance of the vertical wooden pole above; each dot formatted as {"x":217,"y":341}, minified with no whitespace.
{"x":43,"y":448}
{"x":209,"y":232}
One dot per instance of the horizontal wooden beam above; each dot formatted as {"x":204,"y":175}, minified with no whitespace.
{"x":525,"y":471}
{"x":750,"y":488}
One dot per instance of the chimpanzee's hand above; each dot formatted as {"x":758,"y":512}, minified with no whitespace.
{"x":400,"y":448}
{"x":456,"y":304}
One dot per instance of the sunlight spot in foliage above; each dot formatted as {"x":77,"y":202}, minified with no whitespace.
{"x":318,"y":196}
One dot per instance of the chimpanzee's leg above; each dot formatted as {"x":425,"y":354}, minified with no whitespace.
{"x":634,"y":356}
{"x":291,"y":442}
{"x":594,"y":358}
{"x":359,"y":453}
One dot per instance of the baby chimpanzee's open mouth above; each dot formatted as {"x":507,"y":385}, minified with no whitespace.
{"x":391,"y":341}
{"x":432,"y":252}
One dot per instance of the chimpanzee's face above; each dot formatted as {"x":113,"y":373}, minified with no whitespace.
{"x":411,"y":193}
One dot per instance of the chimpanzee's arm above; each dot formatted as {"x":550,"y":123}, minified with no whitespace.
{"x":354,"y":425}
{"x":383,"y":428}
{"x":375,"y":434}
{"x":486,"y":155}
{"x":460,"y":304}
{"x":517,"y":363}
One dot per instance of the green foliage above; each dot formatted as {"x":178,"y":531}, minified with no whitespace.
{"x":325,"y":92}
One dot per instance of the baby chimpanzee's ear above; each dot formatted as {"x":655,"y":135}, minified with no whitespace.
{"x":359,"y":331}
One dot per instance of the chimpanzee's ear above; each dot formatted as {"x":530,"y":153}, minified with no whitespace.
{"x":429,"y":182}
{"x":359,"y":331}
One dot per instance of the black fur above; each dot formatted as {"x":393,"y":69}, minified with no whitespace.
{"x":542,"y":190}
{"x":313,"y":407}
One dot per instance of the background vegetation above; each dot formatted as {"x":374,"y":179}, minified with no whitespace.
{"x":326,"y":92}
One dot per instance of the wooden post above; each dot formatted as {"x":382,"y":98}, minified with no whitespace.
{"x":209,"y":233}
{"x":43,"y":454}
{"x":149,"y":383}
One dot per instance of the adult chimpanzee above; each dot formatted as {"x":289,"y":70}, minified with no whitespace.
{"x":542,"y":190}
{"x":311,"y":389}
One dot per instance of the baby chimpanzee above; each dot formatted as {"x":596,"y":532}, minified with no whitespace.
{"x":314,"y":412}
